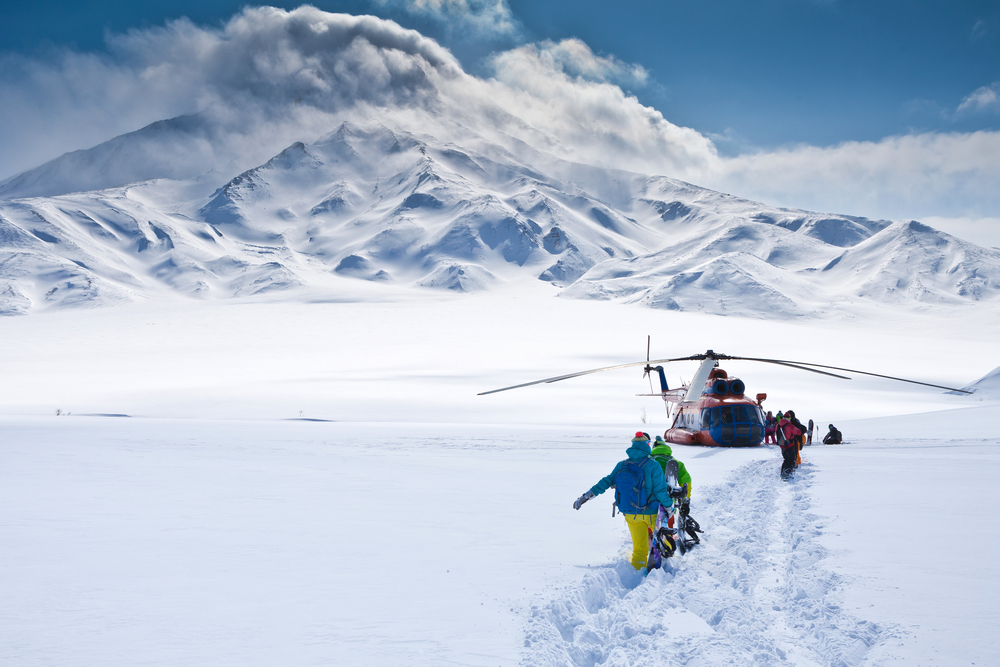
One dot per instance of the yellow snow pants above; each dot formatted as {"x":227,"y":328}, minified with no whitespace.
{"x":640,"y":526}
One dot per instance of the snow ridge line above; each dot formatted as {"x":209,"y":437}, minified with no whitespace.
{"x":754,"y":593}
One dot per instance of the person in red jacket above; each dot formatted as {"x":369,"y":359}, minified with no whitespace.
{"x":788,"y":440}
{"x":800,"y":439}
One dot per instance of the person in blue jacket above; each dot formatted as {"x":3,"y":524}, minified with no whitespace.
{"x":640,"y":489}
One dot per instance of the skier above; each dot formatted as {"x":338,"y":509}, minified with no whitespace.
{"x":640,"y":489}
{"x":833,"y":437}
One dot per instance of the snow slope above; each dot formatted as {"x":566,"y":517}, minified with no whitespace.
{"x":373,"y":203}
{"x":987,"y":386}
{"x":250,"y":543}
{"x":176,"y":148}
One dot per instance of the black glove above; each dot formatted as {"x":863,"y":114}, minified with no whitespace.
{"x":582,"y":499}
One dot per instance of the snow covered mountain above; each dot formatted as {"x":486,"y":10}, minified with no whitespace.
{"x":125,"y":221}
{"x":987,"y":386}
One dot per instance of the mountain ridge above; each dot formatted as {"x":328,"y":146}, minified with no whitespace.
{"x":380,"y":203}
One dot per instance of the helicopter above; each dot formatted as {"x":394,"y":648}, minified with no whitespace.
{"x":713,"y":409}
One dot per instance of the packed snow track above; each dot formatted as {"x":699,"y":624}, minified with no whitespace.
{"x":754,"y":593}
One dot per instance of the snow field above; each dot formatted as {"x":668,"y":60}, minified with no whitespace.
{"x":213,"y":530}
{"x":425,"y":360}
{"x":913,"y":522}
{"x":164,"y":542}
{"x":158,"y":542}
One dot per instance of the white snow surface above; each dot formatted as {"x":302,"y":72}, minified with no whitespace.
{"x":226,"y":523}
{"x":377,"y":202}
{"x":988,"y":385}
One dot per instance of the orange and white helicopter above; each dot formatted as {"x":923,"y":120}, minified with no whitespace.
{"x":713,"y":408}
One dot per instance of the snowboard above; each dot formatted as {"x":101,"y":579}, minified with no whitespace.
{"x":663,"y":540}
{"x":675,"y":530}
{"x":675,"y":521}
{"x":809,"y":437}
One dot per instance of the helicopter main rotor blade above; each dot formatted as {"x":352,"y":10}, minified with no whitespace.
{"x":559,"y":378}
{"x":802,"y":364}
{"x":792,"y":364}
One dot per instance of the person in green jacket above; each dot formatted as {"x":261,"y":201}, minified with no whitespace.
{"x":662,"y":454}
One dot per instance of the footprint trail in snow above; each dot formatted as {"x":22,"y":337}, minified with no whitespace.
{"x":755,"y":592}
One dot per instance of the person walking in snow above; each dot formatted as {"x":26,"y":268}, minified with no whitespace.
{"x":663,"y":454}
{"x":800,"y":439}
{"x":640,"y":489}
{"x":788,"y":441}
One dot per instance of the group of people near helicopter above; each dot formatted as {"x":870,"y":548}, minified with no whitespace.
{"x":786,"y":431}
{"x":641,"y":484}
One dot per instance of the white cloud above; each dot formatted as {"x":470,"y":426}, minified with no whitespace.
{"x":911,"y":176}
{"x":984,"y":231}
{"x":985,"y":99}
{"x":979,"y":30}
{"x":575,"y":58}
{"x":564,"y":90}
{"x":482,"y":17}
{"x":304,"y":68}
{"x":265,"y":65}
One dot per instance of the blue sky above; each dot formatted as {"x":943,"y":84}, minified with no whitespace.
{"x":880,"y":108}
{"x":749,"y":74}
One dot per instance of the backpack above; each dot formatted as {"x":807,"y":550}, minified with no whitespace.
{"x":630,"y":487}
{"x":787,"y":434}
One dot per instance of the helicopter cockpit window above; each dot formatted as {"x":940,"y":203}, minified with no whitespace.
{"x":727,"y":414}
{"x":734,"y":424}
